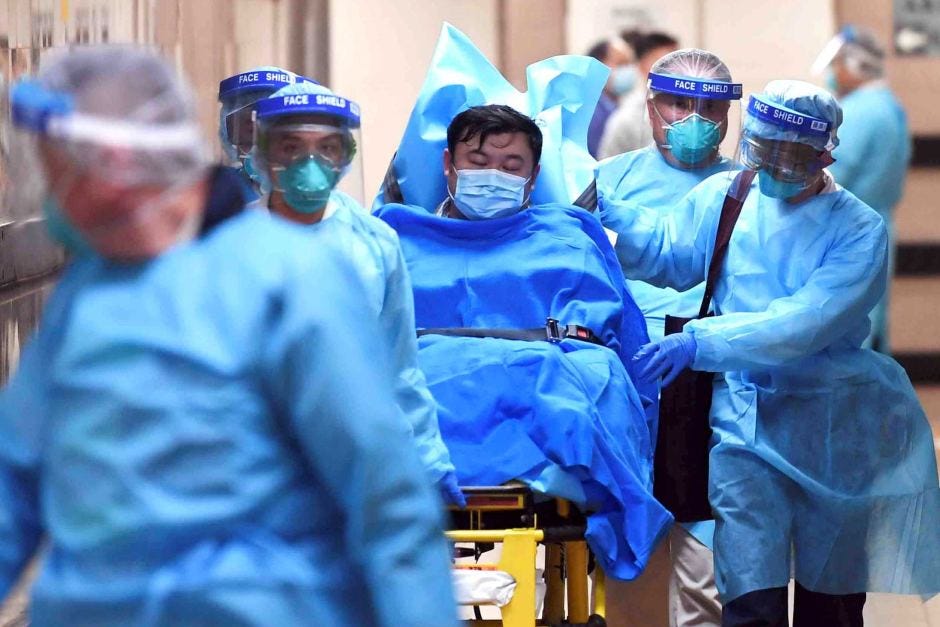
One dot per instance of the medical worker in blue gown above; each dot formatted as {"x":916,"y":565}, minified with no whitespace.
{"x":690,"y":95}
{"x":822,"y":463}
{"x":203,"y":429}
{"x":238,"y":95}
{"x":307,"y":142}
{"x":875,"y":142}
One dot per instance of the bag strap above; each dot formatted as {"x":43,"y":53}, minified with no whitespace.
{"x":730,"y":210}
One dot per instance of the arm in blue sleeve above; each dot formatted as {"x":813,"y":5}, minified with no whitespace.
{"x":665,"y":249}
{"x":839,"y":292}
{"x":325,"y":366}
{"x":411,"y":389}
{"x":21,"y":417}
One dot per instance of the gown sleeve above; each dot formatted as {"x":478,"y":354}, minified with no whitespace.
{"x":326,"y":368}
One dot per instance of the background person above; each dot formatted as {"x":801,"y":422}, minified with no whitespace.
{"x":628,"y":129}
{"x":305,"y":146}
{"x":688,"y":125}
{"x":874,"y":151}
{"x":238,"y":95}
{"x":618,"y":56}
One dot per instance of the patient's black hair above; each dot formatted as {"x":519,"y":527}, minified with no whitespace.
{"x":483,"y":121}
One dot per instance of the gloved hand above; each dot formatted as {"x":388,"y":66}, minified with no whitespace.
{"x":450,"y":491}
{"x":665,"y":358}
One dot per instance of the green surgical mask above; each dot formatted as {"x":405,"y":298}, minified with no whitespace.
{"x":62,"y":231}
{"x":693,"y":139}
{"x":307,"y":184}
{"x":775,"y":188}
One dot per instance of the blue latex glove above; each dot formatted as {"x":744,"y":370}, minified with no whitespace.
{"x":450,"y":490}
{"x":665,"y":358}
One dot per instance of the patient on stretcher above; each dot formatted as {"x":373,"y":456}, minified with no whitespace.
{"x":552,"y":405}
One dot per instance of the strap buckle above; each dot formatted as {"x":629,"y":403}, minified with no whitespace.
{"x":555,"y":332}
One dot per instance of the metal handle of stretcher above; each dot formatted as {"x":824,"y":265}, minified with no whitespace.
{"x":519,"y":554}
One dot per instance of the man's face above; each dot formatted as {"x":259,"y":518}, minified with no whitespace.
{"x":120,"y":221}
{"x":508,"y":152}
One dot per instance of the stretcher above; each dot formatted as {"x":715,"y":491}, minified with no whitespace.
{"x":513,"y":516}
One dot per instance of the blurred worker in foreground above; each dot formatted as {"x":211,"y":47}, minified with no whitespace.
{"x":306,"y":143}
{"x":822,"y":462}
{"x":238,"y":96}
{"x":689,"y":98}
{"x":628,"y":129}
{"x":618,"y":56}
{"x":875,"y":142}
{"x":203,"y":427}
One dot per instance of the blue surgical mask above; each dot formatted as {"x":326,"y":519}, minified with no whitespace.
{"x":307,"y":184}
{"x":775,"y":188}
{"x":61,"y":230}
{"x":693,"y":139}
{"x":486,"y":194}
{"x":623,"y":78}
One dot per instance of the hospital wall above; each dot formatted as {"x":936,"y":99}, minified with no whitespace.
{"x":377,"y":51}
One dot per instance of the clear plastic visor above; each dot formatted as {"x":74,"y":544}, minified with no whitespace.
{"x":690,"y":128}
{"x":791,"y":162}
{"x":672,"y":108}
{"x":337,"y":148}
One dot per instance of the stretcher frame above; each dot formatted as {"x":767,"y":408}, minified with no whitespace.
{"x":567,"y":558}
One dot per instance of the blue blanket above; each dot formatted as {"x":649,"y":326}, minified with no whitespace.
{"x":566,"y":418}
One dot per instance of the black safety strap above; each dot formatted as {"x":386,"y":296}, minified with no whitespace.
{"x":553,"y":331}
{"x":730,"y":210}
{"x":227,"y":197}
{"x":391,"y":190}
{"x":588,"y":198}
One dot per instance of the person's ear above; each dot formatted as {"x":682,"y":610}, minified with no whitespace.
{"x":448,"y":162}
{"x":535,"y":175}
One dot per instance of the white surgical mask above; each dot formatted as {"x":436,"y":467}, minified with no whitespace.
{"x":486,"y":194}
{"x":623,"y":78}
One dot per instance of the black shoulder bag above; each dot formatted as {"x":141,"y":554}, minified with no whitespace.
{"x":680,"y":479}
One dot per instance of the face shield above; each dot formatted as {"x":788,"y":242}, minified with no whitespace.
{"x":858,"y":48}
{"x":692,"y":114}
{"x":238,"y":96}
{"x":59,"y":157}
{"x":307,"y":146}
{"x":786,"y":148}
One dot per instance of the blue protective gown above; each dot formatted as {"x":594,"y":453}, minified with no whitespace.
{"x":818,"y":445}
{"x":643,"y":176}
{"x":514,"y":272}
{"x":498,"y":398}
{"x":373,"y":247}
{"x":871,"y":162}
{"x":209,"y":438}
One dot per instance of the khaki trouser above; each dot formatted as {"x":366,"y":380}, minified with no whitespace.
{"x":677,"y":589}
